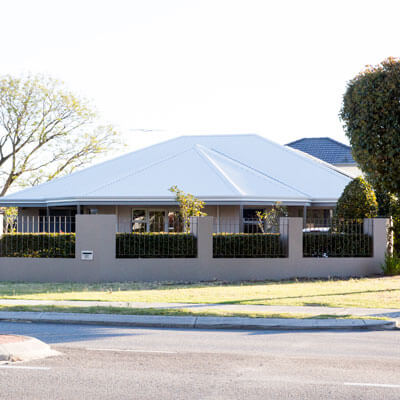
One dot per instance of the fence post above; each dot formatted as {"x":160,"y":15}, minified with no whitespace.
{"x":295,"y":238}
{"x":382,"y":236}
{"x":96,"y":233}
{"x":284,"y":233}
{"x":204,"y":237}
{"x":368,"y":228}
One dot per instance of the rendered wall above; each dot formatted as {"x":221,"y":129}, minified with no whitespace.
{"x":97,"y":233}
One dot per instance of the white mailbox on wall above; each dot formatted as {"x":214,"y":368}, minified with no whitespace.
{"x":87,"y":255}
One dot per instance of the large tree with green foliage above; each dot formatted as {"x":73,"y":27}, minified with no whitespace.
{"x":45,"y":131}
{"x":371,"y":116}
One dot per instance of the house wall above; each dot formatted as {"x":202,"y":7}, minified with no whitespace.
{"x":229,"y":215}
{"x":97,"y":233}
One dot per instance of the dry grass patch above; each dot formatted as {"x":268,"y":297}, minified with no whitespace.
{"x":380,"y":292}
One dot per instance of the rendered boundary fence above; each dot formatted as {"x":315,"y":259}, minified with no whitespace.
{"x":96,"y":235}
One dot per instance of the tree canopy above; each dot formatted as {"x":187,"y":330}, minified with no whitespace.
{"x":45,"y":131}
{"x":371,"y":116}
{"x":357,"y":200}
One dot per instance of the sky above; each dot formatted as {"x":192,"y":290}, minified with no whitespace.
{"x":157,"y":69}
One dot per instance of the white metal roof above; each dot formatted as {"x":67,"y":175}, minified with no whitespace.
{"x":218,"y":169}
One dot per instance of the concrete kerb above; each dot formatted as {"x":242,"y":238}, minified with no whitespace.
{"x":189,"y":322}
{"x":23,"y":348}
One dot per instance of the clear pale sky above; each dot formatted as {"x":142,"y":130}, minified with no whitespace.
{"x":276,"y":68}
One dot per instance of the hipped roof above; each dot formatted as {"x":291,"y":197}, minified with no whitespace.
{"x":226,"y":169}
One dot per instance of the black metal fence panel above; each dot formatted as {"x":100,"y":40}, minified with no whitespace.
{"x":250,"y":238}
{"x":157,"y":238}
{"x":38,"y":237}
{"x":337,"y":237}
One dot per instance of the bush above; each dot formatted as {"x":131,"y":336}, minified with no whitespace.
{"x":38,"y":245}
{"x":357,"y":201}
{"x":248,"y":245}
{"x":321,"y":244}
{"x":391,"y":266}
{"x":156,"y":245}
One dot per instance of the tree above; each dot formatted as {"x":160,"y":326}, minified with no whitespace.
{"x":371,"y":116}
{"x":45,"y":131}
{"x":189,"y":206}
{"x":357,"y":201}
{"x":269,"y":220}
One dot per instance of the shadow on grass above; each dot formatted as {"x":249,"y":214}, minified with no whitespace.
{"x":26,"y":288}
{"x":267,"y":299}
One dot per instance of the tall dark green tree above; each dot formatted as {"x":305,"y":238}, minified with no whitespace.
{"x":371,"y":116}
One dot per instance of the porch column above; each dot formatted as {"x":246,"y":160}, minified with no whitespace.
{"x":241,"y":227}
{"x":304,"y":215}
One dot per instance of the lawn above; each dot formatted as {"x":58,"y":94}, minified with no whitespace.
{"x":382,"y":292}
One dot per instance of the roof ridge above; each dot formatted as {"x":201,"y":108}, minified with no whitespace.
{"x":137,"y":171}
{"x":301,"y":154}
{"x":329,"y":166}
{"x":255,"y":170}
{"x":199,"y":148}
{"x":96,"y":165}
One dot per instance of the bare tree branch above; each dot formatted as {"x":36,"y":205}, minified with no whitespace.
{"x":45,"y":131}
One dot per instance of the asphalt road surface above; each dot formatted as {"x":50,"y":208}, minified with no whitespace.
{"x":124,"y":363}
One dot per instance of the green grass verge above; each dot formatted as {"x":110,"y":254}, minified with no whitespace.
{"x":380,"y":292}
{"x":177,"y":312}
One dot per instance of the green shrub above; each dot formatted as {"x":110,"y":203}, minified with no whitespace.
{"x":156,"y":245}
{"x":357,"y":201}
{"x":391,"y":266}
{"x":248,"y":245}
{"x":38,"y":245}
{"x":327,"y":244}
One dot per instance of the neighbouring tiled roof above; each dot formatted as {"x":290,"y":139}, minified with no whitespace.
{"x":326,"y":149}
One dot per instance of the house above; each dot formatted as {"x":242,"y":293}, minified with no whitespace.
{"x":330,"y":151}
{"x":235,"y":175}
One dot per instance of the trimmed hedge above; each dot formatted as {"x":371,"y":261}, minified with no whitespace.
{"x":38,"y":245}
{"x":248,"y":245}
{"x":156,"y":245}
{"x":321,"y":244}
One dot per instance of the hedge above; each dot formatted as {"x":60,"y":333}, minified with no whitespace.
{"x":38,"y":245}
{"x":248,"y":245}
{"x":320,"y":244}
{"x":156,"y":245}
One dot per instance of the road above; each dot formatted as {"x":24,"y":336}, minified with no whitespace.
{"x":124,"y":363}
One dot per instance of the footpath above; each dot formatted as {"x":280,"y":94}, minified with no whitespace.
{"x":203,"y":322}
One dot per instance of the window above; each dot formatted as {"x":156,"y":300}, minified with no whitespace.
{"x":175,"y":223}
{"x":139,"y":220}
{"x":156,"y":221}
{"x":250,"y":220}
